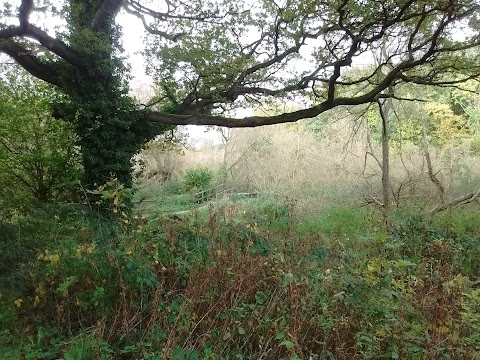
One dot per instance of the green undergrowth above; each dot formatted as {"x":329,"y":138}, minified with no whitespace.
{"x":154,"y":198}
{"x":244,"y":279}
{"x":340,"y":222}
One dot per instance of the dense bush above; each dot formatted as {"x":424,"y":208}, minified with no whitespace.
{"x":198,"y":179}
{"x":39,"y":160}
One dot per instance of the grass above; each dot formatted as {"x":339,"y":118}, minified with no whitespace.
{"x":340,"y":222}
{"x":154,"y":198}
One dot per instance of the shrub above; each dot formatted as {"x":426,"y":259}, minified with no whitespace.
{"x":38,"y":156}
{"x":199,"y":179}
{"x":171,"y":187}
{"x":475,"y":146}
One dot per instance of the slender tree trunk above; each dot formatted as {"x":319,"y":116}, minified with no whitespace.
{"x":226,"y":137}
{"x":385,"y":108}
{"x":431,"y":174}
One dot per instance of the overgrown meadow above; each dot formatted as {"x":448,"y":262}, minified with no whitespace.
{"x":269,"y":245}
{"x":241,"y":278}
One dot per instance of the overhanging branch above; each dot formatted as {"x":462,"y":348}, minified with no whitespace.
{"x":251,"y":121}
{"x":169,"y":14}
{"x":24,"y":12}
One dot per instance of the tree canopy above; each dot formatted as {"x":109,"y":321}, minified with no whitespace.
{"x":210,"y":56}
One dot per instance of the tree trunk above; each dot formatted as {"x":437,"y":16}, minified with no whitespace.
{"x":431,"y":174}
{"x":111,"y":129}
{"x":384,"y":108}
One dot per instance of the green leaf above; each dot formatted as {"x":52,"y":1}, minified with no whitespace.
{"x":288,"y":344}
{"x":288,"y":278}
{"x":65,"y":285}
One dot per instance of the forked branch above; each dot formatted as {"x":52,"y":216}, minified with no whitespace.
{"x":462,"y":200}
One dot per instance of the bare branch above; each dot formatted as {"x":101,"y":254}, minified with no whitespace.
{"x":462,"y":200}
{"x":162,"y":16}
{"x":438,"y":82}
{"x":29,"y":62}
{"x":151,"y":30}
{"x":56,"y":46}
{"x":347,"y":61}
{"x":400,"y":98}
{"x":27,"y":30}
{"x":24,"y":13}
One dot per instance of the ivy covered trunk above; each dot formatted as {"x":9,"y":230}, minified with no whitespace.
{"x":107,"y":147}
{"x":110,"y":127}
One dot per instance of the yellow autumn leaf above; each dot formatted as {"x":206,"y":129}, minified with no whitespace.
{"x":90,"y":248}
{"x":54,"y":258}
{"x":18,"y":302}
{"x":40,"y":289}
{"x":381,"y":332}
{"x":443,"y":330}
{"x":78,"y":251}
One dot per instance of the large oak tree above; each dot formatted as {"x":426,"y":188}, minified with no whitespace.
{"x":209,"y":56}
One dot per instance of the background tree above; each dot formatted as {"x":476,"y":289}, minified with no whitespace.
{"x":208,"y":56}
{"x":38,"y":156}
